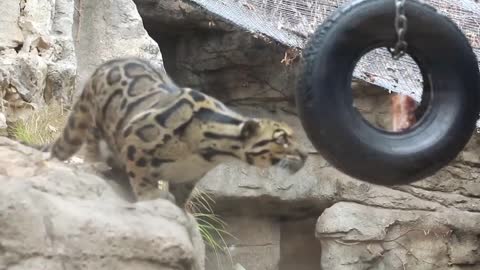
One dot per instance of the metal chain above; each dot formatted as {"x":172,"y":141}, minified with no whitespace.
{"x":401,"y":28}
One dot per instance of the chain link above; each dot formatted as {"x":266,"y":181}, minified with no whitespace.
{"x":401,"y":29}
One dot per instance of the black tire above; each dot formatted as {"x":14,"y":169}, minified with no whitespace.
{"x":338,"y":131}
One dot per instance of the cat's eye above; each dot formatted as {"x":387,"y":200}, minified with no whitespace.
{"x":281,"y":138}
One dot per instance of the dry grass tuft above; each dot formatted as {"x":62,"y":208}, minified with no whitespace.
{"x":42,"y":126}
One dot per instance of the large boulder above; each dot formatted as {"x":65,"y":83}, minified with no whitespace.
{"x":110,"y":29}
{"x":64,"y":217}
{"x":356,"y":236}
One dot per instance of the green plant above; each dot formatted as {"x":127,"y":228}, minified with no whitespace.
{"x":40,"y":127}
{"x":211,"y":226}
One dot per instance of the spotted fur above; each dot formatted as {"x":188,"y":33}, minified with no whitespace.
{"x":135,"y":118}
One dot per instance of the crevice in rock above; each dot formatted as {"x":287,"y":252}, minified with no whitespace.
{"x":183,"y":264}
{"x":413,"y":190}
{"x":256,"y":245}
{"x":18,"y":47}
{"x":470,"y":164}
{"x":233,"y":66}
{"x":299,"y":248}
{"x":387,"y":207}
{"x":269,"y":206}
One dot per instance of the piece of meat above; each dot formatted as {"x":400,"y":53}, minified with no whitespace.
{"x":403,"y":112}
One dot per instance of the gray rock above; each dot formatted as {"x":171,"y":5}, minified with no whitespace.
{"x":39,"y":60}
{"x":263,"y":243}
{"x":48,"y":48}
{"x":3,"y":121}
{"x":172,"y":16}
{"x":235,"y":66}
{"x":62,"y":217}
{"x":10,"y":33}
{"x":110,"y":29}
{"x":62,"y":68}
{"x":40,"y":42}
{"x":256,"y":245}
{"x":355,"y":236}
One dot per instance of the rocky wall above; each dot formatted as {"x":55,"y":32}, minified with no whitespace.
{"x":48,"y":47}
{"x":58,"y":216}
{"x":429,"y":224}
{"x":55,"y":216}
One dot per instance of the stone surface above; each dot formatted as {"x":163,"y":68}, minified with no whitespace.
{"x":299,"y":249}
{"x":10,"y":33}
{"x":356,"y":236}
{"x":40,"y":43}
{"x":109,"y":29}
{"x":234,"y":66}
{"x":48,"y":48}
{"x":262,"y":243}
{"x":62,"y":67}
{"x":62,"y":217}
{"x":256,"y":245}
{"x":3,"y":121}
{"x":37,"y":51}
{"x":177,"y":15}
{"x":3,"y":125}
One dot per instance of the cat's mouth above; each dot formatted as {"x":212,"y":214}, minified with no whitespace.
{"x":293,"y":163}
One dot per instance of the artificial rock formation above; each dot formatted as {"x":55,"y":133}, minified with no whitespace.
{"x":318,"y":218}
{"x":59,"y":217}
{"x":110,"y":29}
{"x":48,"y":48}
{"x":56,"y":216}
{"x":257,"y":77}
{"x":37,"y":52}
{"x":356,"y":236}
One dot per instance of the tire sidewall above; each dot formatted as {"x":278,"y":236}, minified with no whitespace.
{"x":339,"y":132}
